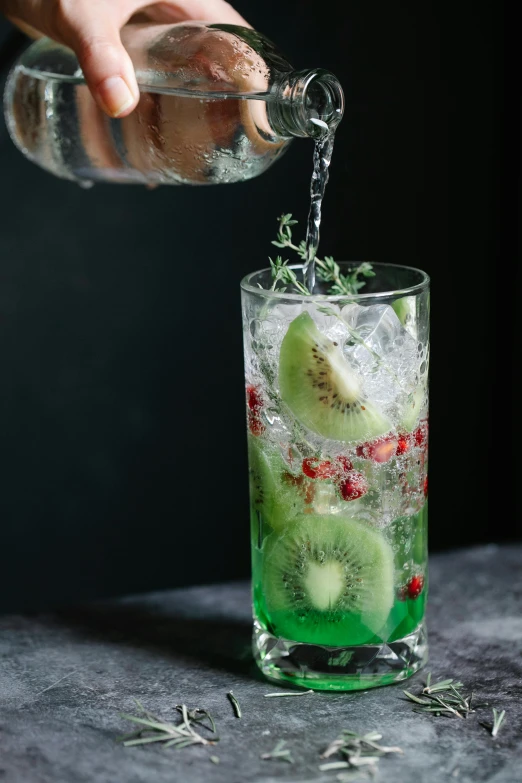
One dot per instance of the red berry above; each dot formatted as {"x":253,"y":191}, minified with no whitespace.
{"x":383,"y":451}
{"x":345,"y":463}
{"x":402,"y":593}
{"x":305,"y":488}
{"x":415,"y":586}
{"x":354,"y":486}
{"x":317,"y":469}
{"x":255,"y":424}
{"x":403,"y":445}
{"x":380,"y":450}
{"x":420,"y":435}
{"x":254,"y":401}
{"x":425,"y":487}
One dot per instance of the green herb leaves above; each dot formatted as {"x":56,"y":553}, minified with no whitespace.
{"x":443,"y":698}
{"x":356,"y":750}
{"x":277,"y":695}
{"x":181,"y":735}
{"x":498,"y":720}
{"x":235,"y":704}
{"x":327,"y":270}
{"x":279,"y":753}
{"x":282,"y":273}
{"x":447,"y":698}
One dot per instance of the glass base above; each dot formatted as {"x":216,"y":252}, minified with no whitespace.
{"x":339,"y":668}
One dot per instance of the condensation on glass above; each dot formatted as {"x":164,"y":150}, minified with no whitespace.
{"x":337,"y":415}
{"x":218,"y":104}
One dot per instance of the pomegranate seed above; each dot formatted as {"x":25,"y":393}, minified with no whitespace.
{"x":255,"y":424}
{"x":384,"y":451}
{"x":402,"y":593}
{"x":305,"y":488}
{"x":309,"y":494}
{"x":403,"y":445}
{"x":415,"y":586}
{"x":380,"y":450}
{"x":345,"y":463}
{"x":425,"y":487}
{"x":253,"y":399}
{"x":354,"y":486}
{"x":317,"y":469}
{"x":420,"y":435}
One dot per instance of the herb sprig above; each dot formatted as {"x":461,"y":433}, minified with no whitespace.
{"x":445,"y":697}
{"x":327,"y":269}
{"x":235,"y":704}
{"x":282,"y":273}
{"x":356,"y":750}
{"x":153,"y":729}
{"x":287,"y":693}
{"x":498,"y":720}
{"x":279,"y":753}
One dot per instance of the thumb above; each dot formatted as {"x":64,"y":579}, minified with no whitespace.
{"x":107,"y":67}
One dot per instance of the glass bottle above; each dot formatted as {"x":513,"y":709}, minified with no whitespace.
{"x":218,"y":104}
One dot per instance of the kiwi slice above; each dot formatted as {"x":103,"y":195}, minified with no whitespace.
{"x":412,"y":410}
{"x":273,"y":494}
{"x":321,"y":388}
{"x":404,"y":308}
{"x":328,"y":580}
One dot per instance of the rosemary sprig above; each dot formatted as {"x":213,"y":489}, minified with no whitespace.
{"x":279,"y":753}
{"x":498,"y":720}
{"x":287,"y":693}
{"x":357,"y":750}
{"x":235,"y":704}
{"x":153,"y":729}
{"x":443,"y":698}
{"x":327,"y":269}
{"x":443,"y":685}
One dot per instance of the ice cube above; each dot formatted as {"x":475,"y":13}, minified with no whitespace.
{"x":329,"y":321}
{"x":382,"y":351}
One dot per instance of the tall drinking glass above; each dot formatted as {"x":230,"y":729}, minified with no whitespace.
{"x":337,"y":414}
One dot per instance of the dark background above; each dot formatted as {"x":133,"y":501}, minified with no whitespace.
{"x":122,"y":446}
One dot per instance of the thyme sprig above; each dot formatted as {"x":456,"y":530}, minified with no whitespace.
{"x":181,"y":735}
{"x":356,"y":750}
{"x":279,"y":753}
{"x":282,"y":273}
{"x":327,"y":269}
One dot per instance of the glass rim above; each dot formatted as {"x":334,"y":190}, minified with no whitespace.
{"x":412,"y":290}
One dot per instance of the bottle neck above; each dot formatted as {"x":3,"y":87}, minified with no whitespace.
{"x":307,"y":104}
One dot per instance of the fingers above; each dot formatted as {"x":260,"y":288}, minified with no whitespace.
{"x":93,"y":32}
{"x":92,"y":29}
{"x":214,"y":11}
{"x":95,"y":37}
{"x":108,"y":71}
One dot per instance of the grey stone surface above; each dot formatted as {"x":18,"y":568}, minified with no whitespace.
{"x":65,"y":677}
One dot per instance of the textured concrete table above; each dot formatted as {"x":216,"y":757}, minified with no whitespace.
{"x":65,"y":677}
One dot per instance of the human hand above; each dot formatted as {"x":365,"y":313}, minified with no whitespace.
{"x":92,"y":29}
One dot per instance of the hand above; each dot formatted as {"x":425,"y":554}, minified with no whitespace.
{"x":92,"y":29}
